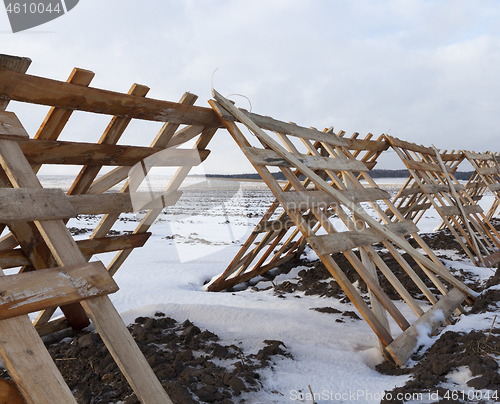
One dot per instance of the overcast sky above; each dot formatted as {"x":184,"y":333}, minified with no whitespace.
{"x":424,"y":71}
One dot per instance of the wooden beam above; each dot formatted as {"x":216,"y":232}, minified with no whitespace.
{"x":267,"y":157}
{"x":21,"y":204}
{"x":91,"y":204}
{"x":77,"y":153}
{"x":16,"y":64}
{"x":16,"y":258}
{"x":11,"y":126}
{"x":9,"y":394}
{"x":38,"y":90}
{"x":404,"y":345}
{"x":332,"y":243}
{"x":34,"y":291}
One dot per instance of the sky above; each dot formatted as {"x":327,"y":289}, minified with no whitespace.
{"x":423,"y":71}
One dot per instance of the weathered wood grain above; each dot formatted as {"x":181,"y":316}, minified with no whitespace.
{"x":33,"y":291}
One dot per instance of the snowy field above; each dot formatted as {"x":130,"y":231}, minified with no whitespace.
{"x":196,"y":240}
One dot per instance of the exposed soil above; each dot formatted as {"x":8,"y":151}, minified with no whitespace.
{"x":191,"y":364}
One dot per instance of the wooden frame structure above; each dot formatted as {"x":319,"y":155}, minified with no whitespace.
{"x":432,"y":184}
{"x":54,"y":268}
{"x":259,"y":253}
{"x":331,"y":187}
{"x":485,"y":178}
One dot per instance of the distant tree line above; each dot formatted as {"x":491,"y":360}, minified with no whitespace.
{"x":459,"y":175}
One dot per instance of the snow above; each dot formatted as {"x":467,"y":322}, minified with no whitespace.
{"x":168,"y":274}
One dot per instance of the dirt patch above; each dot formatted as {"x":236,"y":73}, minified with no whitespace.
{"x":192,"y":365}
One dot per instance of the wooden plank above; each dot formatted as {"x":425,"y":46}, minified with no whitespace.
{"x":478,"y":156}
{"x":300,"y":200}
{"x":453,"y":210}
{"x":77,"y":153}
{"x":492,"y":259}
{"x":91,"y":204}
{"x":409,"y":146}
{"x":274,"y":125}
{"x":9,"y":394}
{"x":11,"y":126}
{"x":415,"y":208}
{"x":109,"y":180}
{"x":52,"y":327}
{"x":21,"y":204}
{"x":39,"y":90}
{"x":364,"y":144}
{"x":104,"y":316}
{"x":494,"y":187}
{"x":404,"y":345}
{"x":332,"y":243}
{"x":16,"y":258}
{"x":185,"y":135}
{"x":29,"y":364}
{"x":419,"y":166}
{"x":16,"y":64}
{"x":34,"y":291}
{"x":488,"y":170}
{"x":267,"y":157}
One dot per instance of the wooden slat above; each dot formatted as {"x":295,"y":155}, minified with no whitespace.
{"x":332,"y":243}
{"x":20,"y":204}
{"x":29,"y":364}
{"x":265,"y":157}
{"x":16,"y":258}
{"x":404,"y":345}
{"x":16,"y":64}
{"x":453,"y":210}
{"x":104,"y":316}
{"x":415,"y":208}
{"x":91,"y":204}
{"x":418,"y":165}
{"x":184,"y":135}
{"x":488,"y":170}
{"x":306,"y":200}
{"x":76,"y":153}
{"x":409,"y":146}
{"x":9,"y":394}
{"x":109,"y":180}
{"x":34,"y":291}
{"x":478,"y":156}
{"x":494,"y":187}
{"x":363,"y":144}
{"x":268,"y":123}
{"x":11,"y":126}
{"x":39,"y":90}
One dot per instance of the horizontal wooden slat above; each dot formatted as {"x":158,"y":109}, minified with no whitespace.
{"x":415,"y":208}
{"x":303,"y":200}
{"x":268,"y":123}
{"x":410,"y":146}
{"x":371,"y":145}
{"x":452,"y":156}
{"x":39,"y":90}
{"x":430,"y":189}
{"x":333,"y":243}
{"x":494,"y":187}
{"x":488,"y":170}
{"x":33,"y":291}
{"x":17,"y":258}
{"x":21,"y":204}
{"x":404,"y":345}
{"x":417,"y":165}
{"x":76,"y":153}
{"x":11,"y":126}
{"x":265,"y":157}
{"x":478,"y":156}
{"x":96,"y":204}
{"x":453,"y":210}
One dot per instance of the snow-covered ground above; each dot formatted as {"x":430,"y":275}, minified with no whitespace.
{"x":337,"y":360}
